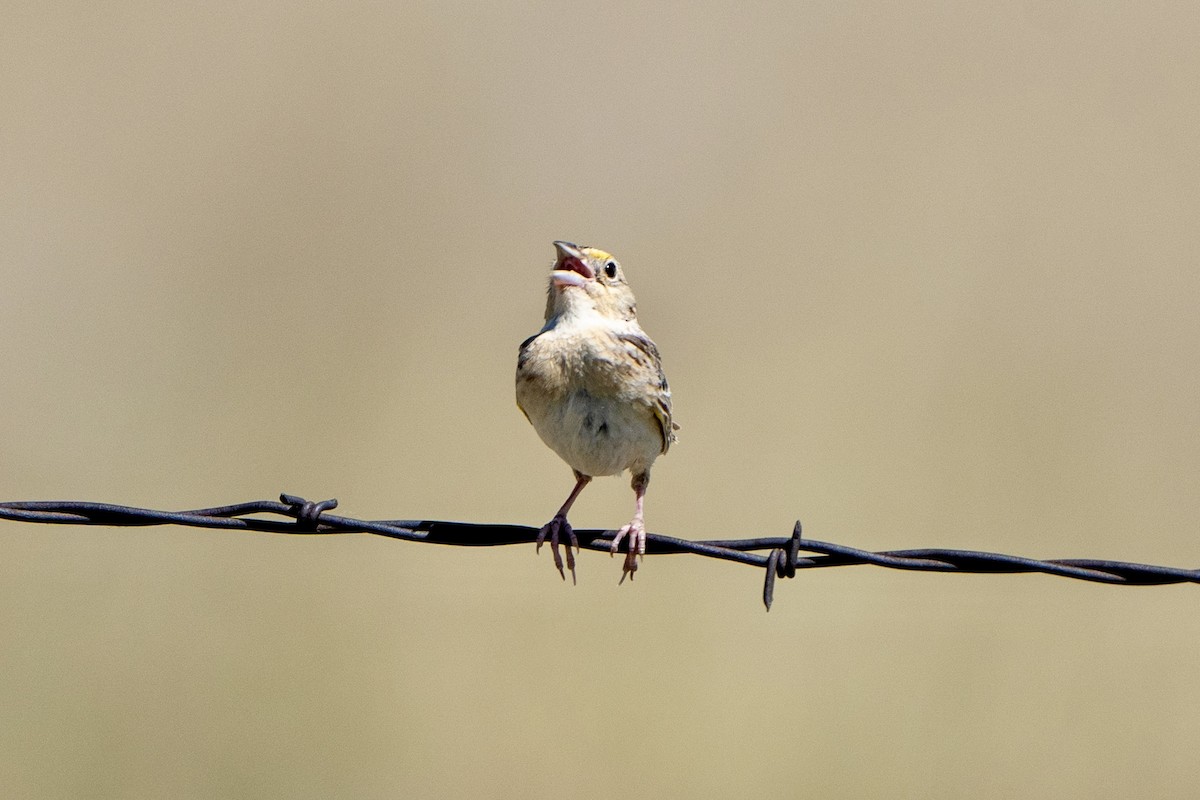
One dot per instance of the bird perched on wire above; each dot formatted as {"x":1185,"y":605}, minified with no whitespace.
{"x":591,"y":383}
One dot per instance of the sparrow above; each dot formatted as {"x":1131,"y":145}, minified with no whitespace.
{"x":592,"y":385}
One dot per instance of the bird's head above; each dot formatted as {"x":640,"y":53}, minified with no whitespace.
{"x":584,"y":279}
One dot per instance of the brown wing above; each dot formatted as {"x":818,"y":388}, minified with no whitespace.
{"x":645,"y":353}
{"x":522,"y":358}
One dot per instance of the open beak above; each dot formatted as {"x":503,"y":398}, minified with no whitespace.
{"x":570,"y":269}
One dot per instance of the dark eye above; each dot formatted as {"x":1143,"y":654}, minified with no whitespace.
{"x":610,"y":269}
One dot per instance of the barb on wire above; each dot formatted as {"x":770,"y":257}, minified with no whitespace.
{"x":782,"y":560}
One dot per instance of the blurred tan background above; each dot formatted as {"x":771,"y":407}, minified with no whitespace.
{"x":921,"y":276}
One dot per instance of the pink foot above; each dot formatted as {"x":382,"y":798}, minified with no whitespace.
{"x":636,"y":530}
{"x":554,"y":528}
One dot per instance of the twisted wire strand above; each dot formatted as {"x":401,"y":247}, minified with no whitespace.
{"x":782,"y":560}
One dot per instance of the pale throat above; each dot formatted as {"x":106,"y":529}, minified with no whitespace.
{"x":574,"y":307}
{"x":581,"y":317}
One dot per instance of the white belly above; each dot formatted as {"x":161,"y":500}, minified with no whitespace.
{"x":600,"y":436}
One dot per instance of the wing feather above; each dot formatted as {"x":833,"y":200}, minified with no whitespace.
{"x":658,"y":391}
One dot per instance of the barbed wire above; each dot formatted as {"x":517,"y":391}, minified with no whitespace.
{"x":782,"y":560}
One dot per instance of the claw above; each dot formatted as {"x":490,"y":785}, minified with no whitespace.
{"x":637,"y":548}
{"x":554,"y":529}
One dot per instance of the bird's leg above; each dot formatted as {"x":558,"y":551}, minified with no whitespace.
{"x":559,"y":525}
{"x":636,"y":529}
